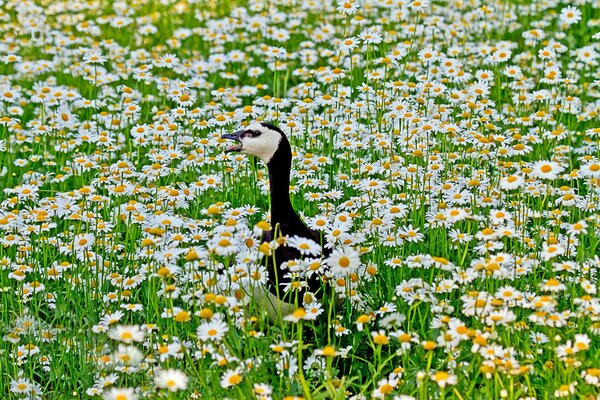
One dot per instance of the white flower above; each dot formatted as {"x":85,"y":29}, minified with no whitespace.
{"x":570,"y":15}
{"x":313,"y":310}
{"x":120,"y":394}
{"x":348,"y":44}
{"x":305,"y":246}
{"x":21,"y":385}
{"x":347,"y":7}
{"x":128,"y":355}
{"x":419,"y":5}
{"x":126,"y":333}
{"x":171,"y":379}
{"x":552,"y":250}
{"x":224,"y":245}
{"x":262,"y":390}
{"x":94,"y":57}
{"x":296,"y":316}
{"x":212,"y":330}
{"x":231,"y":378}
{"x":511,"y":182}
{"x":344,"y":261}
{"x":591,"y":169}
{"x":167,"y":61}
{"x":582,"y":342}
{"x":546,"y":169}
{"x":443,"y":378}
{"x":371,"y":37}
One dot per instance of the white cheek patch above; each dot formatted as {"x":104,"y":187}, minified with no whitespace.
{"x":263,"y":146}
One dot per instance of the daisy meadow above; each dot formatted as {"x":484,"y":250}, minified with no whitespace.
{"x":440,"y":239}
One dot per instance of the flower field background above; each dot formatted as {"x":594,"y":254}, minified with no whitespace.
{"x":448,"y":152}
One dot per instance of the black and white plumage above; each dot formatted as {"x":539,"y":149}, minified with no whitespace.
{"x":270,"y":144}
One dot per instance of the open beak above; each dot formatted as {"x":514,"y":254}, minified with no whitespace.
{"x":233,"y":136}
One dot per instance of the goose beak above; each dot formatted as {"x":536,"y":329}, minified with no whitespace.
{"x":233,"y":136}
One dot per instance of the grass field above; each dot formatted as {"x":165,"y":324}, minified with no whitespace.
{"x":449,"y":149}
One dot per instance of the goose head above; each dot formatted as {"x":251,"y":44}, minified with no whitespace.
{"x":261,"y":140}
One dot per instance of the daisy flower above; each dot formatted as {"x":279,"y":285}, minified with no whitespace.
{"x":171,"y":379}
{"x":347,"y":7}
{"x":262,"y":390}
{"x":411,"y":234}
{"x":582,"y":342}
{"x":443,"y":378}
{"x":94,"y":57}
{"x":343,"y":261}
{"x":313,"y":310}
{"x":552,"y":285}
{"x":565,"y":390}
{"x":384,"y":388}
{"x":305,"y":246}
{"x":21,"y":385}
{"x":591,"y":376}
{"x":552,"y":250}
{"x":126,"y":333}
{"x":546,"y":169}
{"x":327,"y":351}
{"x":348,"y":44}
{"x":577,"y":228}
{"x":569,"y":15}
{"x":591,"y":169}
{"x":120,"y":394}
{"x":296,"y":316}
{"x":418,"y":5}
{"x":380,"y":337}
{"x":212,"y":330}
{"x":231,"y":378}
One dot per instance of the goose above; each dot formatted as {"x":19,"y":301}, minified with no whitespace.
{"x":270,"y":144}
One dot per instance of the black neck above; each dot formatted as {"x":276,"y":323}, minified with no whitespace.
{"x":282,"y":212}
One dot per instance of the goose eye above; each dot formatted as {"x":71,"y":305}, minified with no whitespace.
{"x":253,"y":133}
